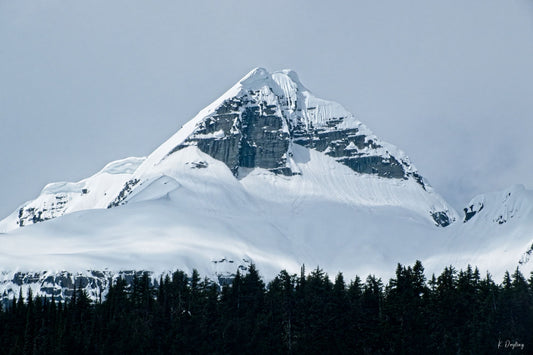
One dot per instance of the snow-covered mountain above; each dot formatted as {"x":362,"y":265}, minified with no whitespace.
{"x":258,"y":123}
{"x":270,"y":174}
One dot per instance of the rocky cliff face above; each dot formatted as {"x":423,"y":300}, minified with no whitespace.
{"x":244,"y":132}
{"x":256,"y":127}
{"x":61,"y":285}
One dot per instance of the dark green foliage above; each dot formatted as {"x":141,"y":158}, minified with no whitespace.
{"x":457,"y":312}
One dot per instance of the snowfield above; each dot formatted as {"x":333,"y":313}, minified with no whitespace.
{"x":328,"y":216}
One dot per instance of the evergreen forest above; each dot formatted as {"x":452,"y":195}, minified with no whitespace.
{"x":457,"y":312}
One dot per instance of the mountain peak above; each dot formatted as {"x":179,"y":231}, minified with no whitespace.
{"x":266,"y":121}
{"x":283,"y":83}
{"x":267,"y":113}
{"x":255,"y":75}
{"x":263,"y":76}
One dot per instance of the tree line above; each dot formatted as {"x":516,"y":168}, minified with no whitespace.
{"x":458,"y":312}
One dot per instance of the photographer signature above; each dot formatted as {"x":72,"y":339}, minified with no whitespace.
{"x":507,"y":344}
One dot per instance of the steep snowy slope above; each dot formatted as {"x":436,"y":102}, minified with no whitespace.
{"x":496,"y":233}
{"x":258,"y":123}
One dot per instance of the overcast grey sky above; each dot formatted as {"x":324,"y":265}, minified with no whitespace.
{"x":85,"y":83}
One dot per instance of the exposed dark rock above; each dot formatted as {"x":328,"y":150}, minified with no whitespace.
{"x":389,"y":168}
{"x":226,"y":277}
{"x":128,"y":186}
{"x":247,"y":132}
{"x":471,"y":212}
{"x":441,"y":218}
{"x":244,"y":132}
{"x":526,"y":256}
{"x":61,"y":285}
{"x":420,"y":180}
{"x":198,"y":164}
{"x":500,"y":220}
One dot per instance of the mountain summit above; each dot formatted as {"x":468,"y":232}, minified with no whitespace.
{"x":258,"y":123}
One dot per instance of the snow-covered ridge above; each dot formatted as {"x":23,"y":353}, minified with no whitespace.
{"x":59,"y":198}
{"x":496,"y":232}
{"x":499,"y":207}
